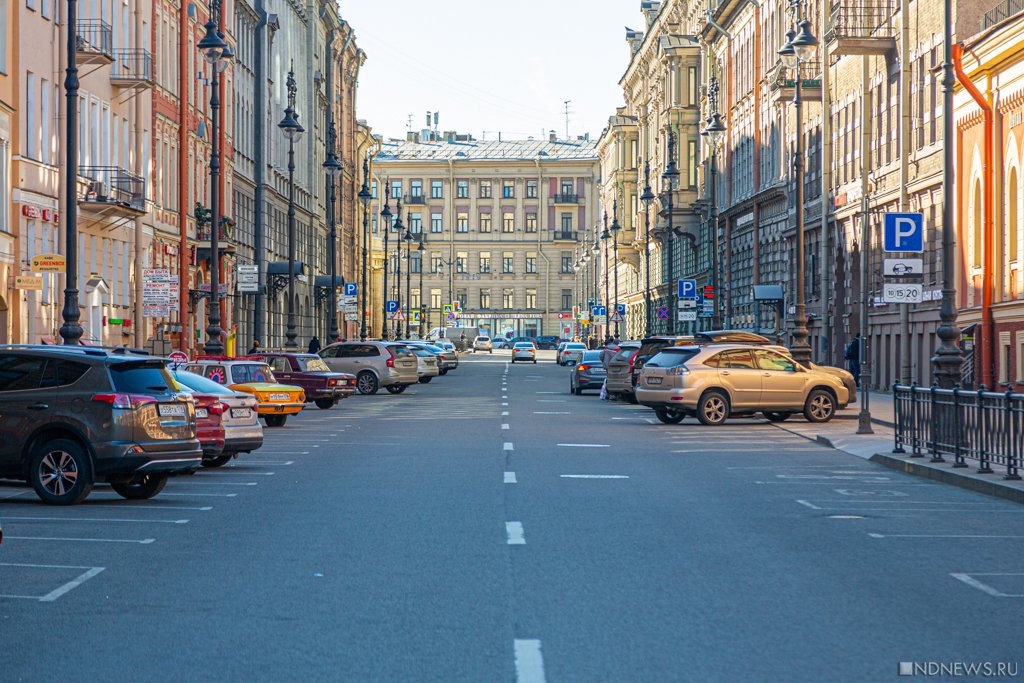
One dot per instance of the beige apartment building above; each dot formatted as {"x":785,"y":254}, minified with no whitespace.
{"x":500,"y":221}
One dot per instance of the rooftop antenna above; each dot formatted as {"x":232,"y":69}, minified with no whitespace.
{"x":567,"y":112}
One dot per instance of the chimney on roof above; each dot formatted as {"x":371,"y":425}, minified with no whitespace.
{"x":551,"y":136}
{"x":412,"y":137}
{"x":650,"y":9}
{"x":635,"y":40}
{"x":449,"y":135}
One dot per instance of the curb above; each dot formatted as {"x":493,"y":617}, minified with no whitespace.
{"x":971,"y":482}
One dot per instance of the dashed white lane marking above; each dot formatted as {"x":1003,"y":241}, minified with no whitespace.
{"x":593,"y":476}
{"x":873,"y":535}
{"x":585,"y":445}
{"x":504,"y":413}
{"x":504,"y":404}
{"x":144,"y":541}
{"x":510,"y":478}
{"x":984,"y":587}
{"x":529,"y":662}
{"x":810,"y":505}
{"x":514,"y":531}
{"x":98,"y":519}
{"x":547,"y":392}
{"x":505,"y":426}
{"x":507,"y":446}
{"x":551,"y":412}
{"x":505,"y":396}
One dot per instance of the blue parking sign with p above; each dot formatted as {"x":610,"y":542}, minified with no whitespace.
{"x":686,"y":289}
{"x":904,"y":232}
{"x":620,"y":309}
{"x":351,"y":289}
{"x":390,"y":306}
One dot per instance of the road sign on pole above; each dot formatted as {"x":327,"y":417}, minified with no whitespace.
{"x":351,"y":289}
{"x":398,"y":315}
{"x":391,"y":306}
{"x":686,"y":289}
{"x":620,"y":309}
{"x":687,"y":316}
{"x":662,"y":312}
{"x":904,"y":232}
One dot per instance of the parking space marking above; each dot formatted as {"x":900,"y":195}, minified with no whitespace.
{"x":144,"y":541}
{"x":546,"y":392}
{"x":584,"y":445}
{"x":593,"y":476}
{"x":201,"y":495}
{"x":529,"y":661}
{"x":507,"y":446}
{"x":515,"y":533}
{"x":15,"y":495}
{"x":97,"y":519}
{"x":504,"y":413}
{"x":60,"y":590}
{"x":550,"y":400}
{"x":262,"y":462}
{"x":247,"y":474}
{"x":149,"y":507}
{"x":874,"y":535}
{"x":984,"y":587}
{"x":510,"y":478}
{"x":218,"y":483}
{"x":810,"y":505}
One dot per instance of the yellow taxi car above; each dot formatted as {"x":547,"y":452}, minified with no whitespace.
{"x":252,"y":375}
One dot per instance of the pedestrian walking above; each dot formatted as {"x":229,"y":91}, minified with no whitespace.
{"x":255,"y":347}
{"x":314,"y":344}
{"x":852,"y":356}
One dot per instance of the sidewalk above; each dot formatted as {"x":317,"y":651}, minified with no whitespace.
{"x":841,"y":434}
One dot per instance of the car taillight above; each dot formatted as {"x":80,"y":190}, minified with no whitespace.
{"x":390,"y":362}
{"x":581,"y":368}
{"x":217,"y":408}
{"x":678,"y":370}
{"x":124,"y":401}
{"x":332,"y":382}
{"x":632,"y":359}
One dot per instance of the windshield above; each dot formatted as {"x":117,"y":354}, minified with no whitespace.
{"x":313,"y":364}
{"x":142,"y":378}
{"x":247,"y":373}
{"x":200,"y":384}
{"x":672,"y":358}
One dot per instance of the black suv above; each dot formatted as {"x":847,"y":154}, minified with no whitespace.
{"x":548,"y":343}
{"x":73,"y":415}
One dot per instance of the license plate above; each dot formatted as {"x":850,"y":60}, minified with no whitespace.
{"x":171,"y":410}
{"x":279,"y":397}
{"x":201,"y":412}
{"x":241,"y":412}
{"x":654,"y":380}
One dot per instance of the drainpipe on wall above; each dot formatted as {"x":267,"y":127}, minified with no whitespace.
{"x":987,"y":324}
{"x":139,"y":330}
{"x":185,"y":337}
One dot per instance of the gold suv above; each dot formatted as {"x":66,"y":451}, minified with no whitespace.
{"x":716,"y":382}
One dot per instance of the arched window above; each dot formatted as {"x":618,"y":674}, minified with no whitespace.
{"x":977,"y":228}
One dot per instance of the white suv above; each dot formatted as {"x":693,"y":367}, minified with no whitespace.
{"x":483,"y":343}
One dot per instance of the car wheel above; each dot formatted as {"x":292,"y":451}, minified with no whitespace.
{"x":60,"y":472}
{"x":425,"y":380}
{"x":578,"y":391}
{"x":534,"y":361}
{"x":275,"y":420}
{"x":325,"y":403}
{"x":396,"y":388}
{"x":367,"y":383}
{"x":631,"y":398}
{"x":713,"y":408}
{"x":147,"y":486}
{"x":820,"y":406}
{"x":219,"y":461}
{"x":777,"y":417}
{"x":668,"y":416}
{"x":443,"y":372}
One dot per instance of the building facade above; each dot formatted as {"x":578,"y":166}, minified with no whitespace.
{"x":499,"y":222}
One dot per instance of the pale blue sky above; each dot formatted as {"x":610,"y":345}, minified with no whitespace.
{"x":491,"y":65}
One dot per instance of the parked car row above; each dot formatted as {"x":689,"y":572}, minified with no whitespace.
{"x":391,"y":365}
{"x":714,"y":376}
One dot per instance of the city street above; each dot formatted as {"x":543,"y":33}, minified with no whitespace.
{"x":489,"y":526}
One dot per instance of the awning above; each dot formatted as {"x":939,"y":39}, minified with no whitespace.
{"x":325,"y":281}
{"x":281,"y":268}
{"x":768,"y":293}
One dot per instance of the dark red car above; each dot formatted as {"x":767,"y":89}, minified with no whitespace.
{"x":322,"y":385}
{"x":209,"y":429}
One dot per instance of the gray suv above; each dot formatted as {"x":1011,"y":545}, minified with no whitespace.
{"x":375,"y":364}
{"x":71,"y":416}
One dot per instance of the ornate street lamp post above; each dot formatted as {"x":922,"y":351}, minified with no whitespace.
{"x":615,"y":259}
{"x":399,"y":227}
{"x":408,"y":278}
{"x":216,"y":52}
{"x":647,"y":197}
{"x":713,"y":131}
{"x":292,"y":131}
{"x":669,"y":183}
{"x":333,"y":169}
{"x":385,"y":220}
{"x":605,"y":237}
{"x":365,"y":196}
{"x":71,"y":330}
{"x":799,"y":47}
{"x":424,"y":321}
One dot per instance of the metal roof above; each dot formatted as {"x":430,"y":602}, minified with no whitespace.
{"x":489,"y":150}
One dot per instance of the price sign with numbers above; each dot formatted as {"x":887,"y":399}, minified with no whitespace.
{"x":902,"y":293}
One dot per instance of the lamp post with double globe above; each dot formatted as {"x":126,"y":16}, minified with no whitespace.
{"x":292,"y":131}
{"x":365,"y":197}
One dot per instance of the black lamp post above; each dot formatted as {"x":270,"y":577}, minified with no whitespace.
{"x":605,"y":237}
{"x":798,"y":48}
{"x":647,"y":197}
{"x":595,"y":250}
{"x":713,"y":131}
{"x":333,"y":169}
{"x":71,"y":329}
{"x":399,"y":227}
{"x":365,"y":196}
{"x":385,"y":218}
{"x":421,"y":249}
{"x":293,"y":133}
{"x":216,"y":52}
{"x":669,"y":182}
{"x":408,"y":277}
{"x":615,"y":259}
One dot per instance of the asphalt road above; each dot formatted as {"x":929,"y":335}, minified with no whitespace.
{"x":489,"y":526}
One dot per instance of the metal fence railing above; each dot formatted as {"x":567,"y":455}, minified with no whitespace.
{"x":983,"y":426}
{"x":1003,"y":10}
{"x":109,"y":184}
{"x":94,"y":36}
{"x":857,"y":19}
{"x":132,"y":65}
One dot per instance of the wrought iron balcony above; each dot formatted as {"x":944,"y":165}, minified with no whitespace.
{"x":94,"y":42}
{"x":782,"y":82}
{"x":861,"y":27}
{"x":1003,"y":10}
{"x":566,"y":198}
{"x":566,"y":236}
{"x":133,"y":68}
{"x":225,"y":238}
{"x":419,"y":200}
{"x":112,"y":189}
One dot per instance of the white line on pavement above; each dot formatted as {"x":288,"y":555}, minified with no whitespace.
{"x":15,"y":495}
{"x":71,"y":585}
{"x":504,"y":413}
{"x":514,"y":531}
{"x":144,"y":541}
{"x":507,"y":446}
{"x":217,"y":483}
{"x":262,"y":462}
{"x":810,"y":505}
{"x":872,"y":535}
{"x":551,"y":412}
{"x":585,"y":445}
{"x":593,"y":476}
{"x":505,"y":426}
{"x":505,"y":396}
{"x":504,"y":404}
{"x":529,"y":662}
{"x":510,"y":478}
{"x":550,"y":400}
{"x":201,"y":495}
{"x":627,"y":418}
{"x":983,"y":587}
{"x":99,"y":519}
{"x":246,"y":474}
{"x":547,"y":392}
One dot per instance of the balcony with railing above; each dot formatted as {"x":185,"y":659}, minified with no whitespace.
{"x":782,"y":82}
{"x":861,"y":27}
{"x":418,"y":200}
{"x":566,"y":198}
{"x":1001,"y":12}
{"x":112,"y":191}
{"x":566,"y":236}
{"x":94,"y":42}
{"x":133,"y":68}
{"x":225,"y":236}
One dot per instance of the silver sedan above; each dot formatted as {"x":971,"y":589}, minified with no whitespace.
{"x":524,"y":351}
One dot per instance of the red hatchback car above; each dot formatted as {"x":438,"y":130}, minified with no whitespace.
{"x":209,"y":429}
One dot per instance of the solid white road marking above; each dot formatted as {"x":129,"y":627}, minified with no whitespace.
{"x":247,"y":474}
{"x":529,"y":662}
{"x":125,"y":506}
{"x":71,"y":585}
{"x":593,"y":476}
{"x":201,"y":495}
{"x":845,"y":517}
{"x":584,"y":445}
{"x":220,"y":483}
{"x":510,"y":478}
{"x":873,"y":535}
{"x":99,"y":519}
{"x":984,"y":587}
{"x":550,"y":400}
{"x":514,"y":531}
{"x":626,"y":418}
{"x":547,"y":392}
{"x":505,"y":426}
{"x":507,"y":446}
{"x":144,"y":541}
{"x":15,"y":495}
{"x":551,"y":412}
{"x":261,"y":462}
{"x":810,"y":505}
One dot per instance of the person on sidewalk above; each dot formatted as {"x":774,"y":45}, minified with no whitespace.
{"x":314,"y":344}
{"x":255,"y":347}
{"x":852,"y":356}
{"x":607,"y":353}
